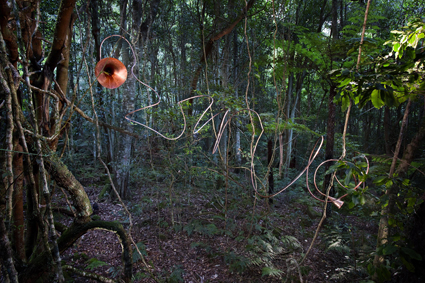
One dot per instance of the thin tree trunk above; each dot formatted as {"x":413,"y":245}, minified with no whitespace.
{"x":18,"y":203}
{"x":270,"y":144}
{"x":6,"y":253}
{"x":392,"y":192}
{"x":235,"y":86}
{"x":208,"y":48}
{"x":330,"y":131}
{"x":291,"y":116}
{"x":288,"y":104}
{"x":387,"y":125}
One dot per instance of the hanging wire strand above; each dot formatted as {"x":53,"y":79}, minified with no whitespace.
{"x":195,"y":130}
{"x":224,"y":123}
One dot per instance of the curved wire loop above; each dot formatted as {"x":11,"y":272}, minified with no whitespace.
{"x":224,"y":123}
{"x":338,"y":202}
{"x":159,"y":100}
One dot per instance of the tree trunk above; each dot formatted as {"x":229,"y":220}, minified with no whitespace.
{"x":387,"y":125}
{"x":416,"y":234}
{"x":18,"y":204}
{"x":384,"y":233}
{"x":330,"y":131}
{"x":235,"y":86}
{"x":38,"y":267}
{"x":208,"y":48}
{"x":128,"y":94}
{"x":6,"y":253}
{"x":291,"y":113}
{"x":330,"y":141}
{"x":270,"y":144}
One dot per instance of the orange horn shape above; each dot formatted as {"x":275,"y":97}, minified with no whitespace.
{"x":338,"y":203}
{"x":110,"y":72}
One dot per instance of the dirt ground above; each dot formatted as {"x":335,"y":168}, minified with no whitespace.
{"x":186,"y":241}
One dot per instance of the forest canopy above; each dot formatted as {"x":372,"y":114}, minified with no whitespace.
{"x":212,"y":140}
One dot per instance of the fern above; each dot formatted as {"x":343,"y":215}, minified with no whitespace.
{"x":94,"y":263}
{"x":291,"y":243}
{"x":177,"y":275}
{"x":136,"y":256}
{"x":339,"y":248}
{"x":196,"y":226}
{"x":236,"y":262}
{"x":271,"y":271}
{"x":269,"y":246}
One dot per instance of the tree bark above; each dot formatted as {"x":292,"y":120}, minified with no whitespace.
{"x":330,"y":133}
{"x":387,"y":125}
{"x":270,"y":144}
{"x":208,"y":48}
{"x":384,"y":233}
{"x":38,"y":267}
{"x":147,"y":24}
{"x":8,"y":35}
{"x":6,"y":253}
{"x":65,"y":179}
{"x":56,"y":55}
{"x":18,"y":204}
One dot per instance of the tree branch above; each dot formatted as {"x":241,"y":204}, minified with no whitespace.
{"x":209,"y":46}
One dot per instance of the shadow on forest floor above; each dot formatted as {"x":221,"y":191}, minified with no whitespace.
{"x":190,"y":239}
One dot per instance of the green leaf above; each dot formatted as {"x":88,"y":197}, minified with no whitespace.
{"x":376,"y":99}
{"x":380,"y":180}
{"x":408,"y":265}
{"x":411,"y":253}
{"x":345,"y":102}
{"x":383,"y":273}
{"x":355,"y":200}
{"x":413,"y":40}
{"x":362,"y":200}
{"x":406,"y":182}
{"x":390,"y":249}
{"x":348,"y":177}
{"x":271,"y":271}
{"x":94,"y":263}
{"x":345,"y":82}
{"x":142,"y":249}
{"x":396,"y":47}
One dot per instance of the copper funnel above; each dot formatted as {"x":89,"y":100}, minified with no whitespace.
{"x":110,"y":72}
{"x":338,"y":203}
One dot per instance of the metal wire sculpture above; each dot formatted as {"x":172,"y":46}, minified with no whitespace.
{"x":106,"y":72}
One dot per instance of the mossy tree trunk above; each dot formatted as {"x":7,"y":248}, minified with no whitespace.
{"x":35,"y":104}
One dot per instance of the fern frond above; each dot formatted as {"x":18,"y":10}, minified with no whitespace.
{"x":271,"y":271}
{"x":339,"y":247}
{"x":291,"y":243}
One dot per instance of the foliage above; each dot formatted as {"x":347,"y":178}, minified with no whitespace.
{"x":203,"y":229}
{"x":268,"y":246}
{"x":390,"y":79}
{"x":142,"y":248}
{"x":236,"y":262}
{"x":176,"y":275}
{"x":281,"y":50}
{"x":94,"y":263}
{"x":352,"y":246}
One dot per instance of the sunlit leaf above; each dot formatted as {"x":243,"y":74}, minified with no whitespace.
{"x":376,"y":99}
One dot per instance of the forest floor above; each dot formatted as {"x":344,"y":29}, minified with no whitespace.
{"x":194,"y":238}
